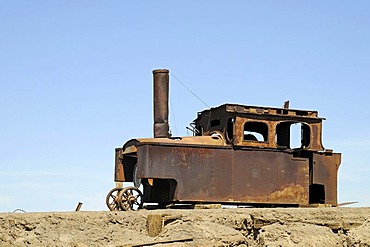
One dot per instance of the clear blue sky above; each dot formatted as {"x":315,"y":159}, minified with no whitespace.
{"x":76,"y":82}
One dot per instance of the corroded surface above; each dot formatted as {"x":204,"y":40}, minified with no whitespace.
{"x":238,"y":154}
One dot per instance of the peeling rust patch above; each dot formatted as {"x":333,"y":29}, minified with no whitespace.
{"x":296,"y":191}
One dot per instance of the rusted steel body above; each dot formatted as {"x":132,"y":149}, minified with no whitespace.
{"x":225,"y":163}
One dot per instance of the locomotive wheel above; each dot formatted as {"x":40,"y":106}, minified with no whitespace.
{"x":112,"y":199}
{"x":130,"y":198}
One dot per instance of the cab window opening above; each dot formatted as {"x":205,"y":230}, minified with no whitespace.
{"x":292,"y":135}
{"x":255,"y":132}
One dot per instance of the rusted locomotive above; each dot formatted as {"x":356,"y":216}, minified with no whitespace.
{"x":238,"y":155}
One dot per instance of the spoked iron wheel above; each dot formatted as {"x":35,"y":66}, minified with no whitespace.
{"x":130,"y":198}
{"x":112,"y":199}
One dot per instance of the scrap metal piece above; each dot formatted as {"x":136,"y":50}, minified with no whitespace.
{"x":79,"y":205}
{"x":286,"y":104}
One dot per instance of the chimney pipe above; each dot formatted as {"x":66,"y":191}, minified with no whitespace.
{"x":161,"y":88}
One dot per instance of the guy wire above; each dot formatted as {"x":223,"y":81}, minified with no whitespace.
{"x":183,"y":84}
{"x":190,"y":90}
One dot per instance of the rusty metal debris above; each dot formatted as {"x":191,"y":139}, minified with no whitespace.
{"x":238,"y":154}
{"x":79,"y":205}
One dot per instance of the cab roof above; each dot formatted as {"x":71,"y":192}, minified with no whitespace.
{"x":273,"y":112}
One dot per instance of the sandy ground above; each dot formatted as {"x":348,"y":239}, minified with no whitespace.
{"x":191,"y":227}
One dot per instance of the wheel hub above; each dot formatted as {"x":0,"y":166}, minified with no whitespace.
{"x":131,"y":199}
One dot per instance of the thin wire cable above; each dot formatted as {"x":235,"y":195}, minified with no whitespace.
{"x":173,"y":114}
{"x":190,"y":90}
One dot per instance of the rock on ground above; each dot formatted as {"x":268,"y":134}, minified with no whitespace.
{"x":191,"y":227}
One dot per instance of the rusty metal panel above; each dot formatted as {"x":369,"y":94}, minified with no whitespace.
{"x":270,"y":177}
{"x":118,"y":166}
{"x":226,"y":175}
{"x":325,"y":172}
{"x":200,"y":172}
{"x":316,"y":137}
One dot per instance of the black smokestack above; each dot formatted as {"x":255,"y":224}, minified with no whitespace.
{"x":161,"y":89}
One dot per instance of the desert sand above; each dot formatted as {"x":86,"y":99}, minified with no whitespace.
{"x":190,"y":227}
